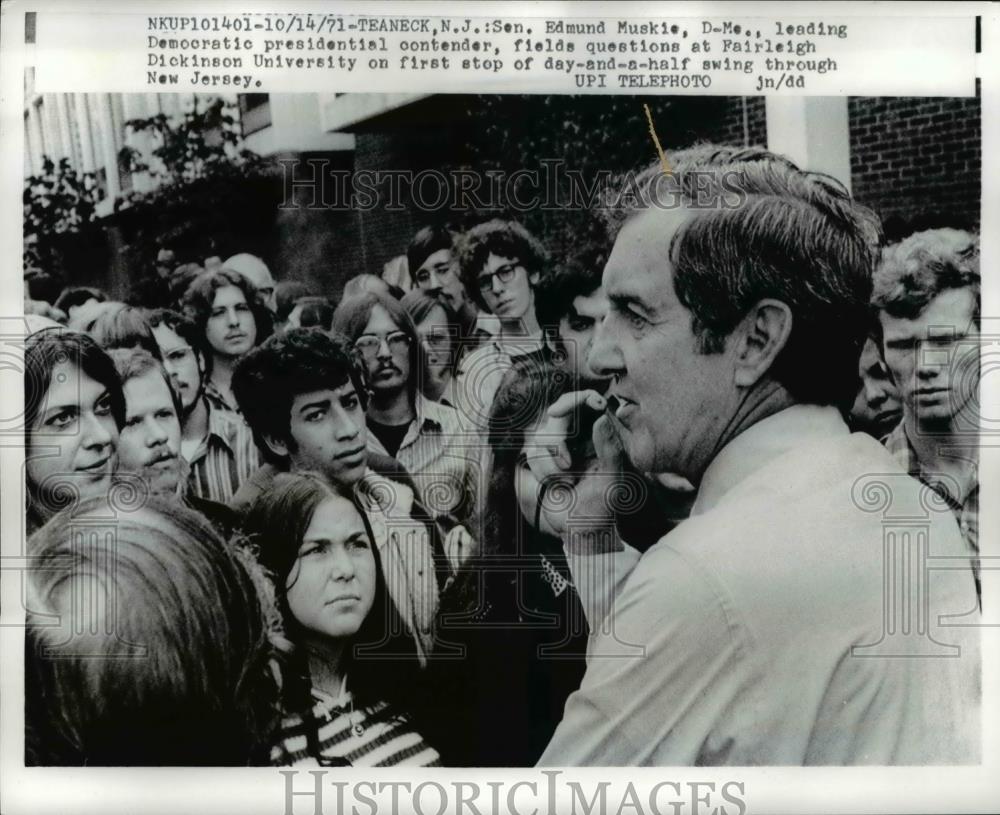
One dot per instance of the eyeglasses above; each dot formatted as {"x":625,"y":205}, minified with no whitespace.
{"x":369,"y":344}
{"x":504,"y":273}
{"x":438,"y":339}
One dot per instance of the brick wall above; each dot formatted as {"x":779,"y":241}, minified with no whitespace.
{"x":917,"y":160}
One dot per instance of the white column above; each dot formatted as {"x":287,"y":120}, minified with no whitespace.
{"x":65,"y":130}
{"x":812,"y":131}
{"x":110,"y":154}
{"x":37,"y":141}
{"x":87,"y":158}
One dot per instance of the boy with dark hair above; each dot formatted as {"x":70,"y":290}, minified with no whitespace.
{"x":501,"y":265}
{"x":304,"y":399}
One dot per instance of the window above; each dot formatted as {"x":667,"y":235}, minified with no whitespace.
{"x":255,"y":112}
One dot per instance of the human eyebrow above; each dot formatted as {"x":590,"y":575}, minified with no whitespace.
{"x":319,"y":403}
{"x":628,"y":302}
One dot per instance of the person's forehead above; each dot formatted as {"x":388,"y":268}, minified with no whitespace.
{"x":68,"y":385}
{"x":442,"y":257}
{"x":639,"y":266}
{"x":494,"y":262}
{"x":334,"y":517}
{"x":228,"y":295}
{"x":324,"y":395}
{"x":380,"y":319}
{"x":594,"y":304}
{"x":145,"y":390}
{"x":168,"y":338}
{"x":948,"y":313}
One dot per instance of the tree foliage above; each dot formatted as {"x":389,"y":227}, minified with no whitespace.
{"x":58,"y":202}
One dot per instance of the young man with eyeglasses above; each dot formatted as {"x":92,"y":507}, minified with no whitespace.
{"x":424,"y":436}
{"x":217,"y":445}
{"x":500,"y":263}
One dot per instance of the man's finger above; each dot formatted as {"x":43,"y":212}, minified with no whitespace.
{"x":568,"y":403}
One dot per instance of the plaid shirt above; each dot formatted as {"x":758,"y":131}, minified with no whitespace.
{"x":225,"y":459}
{"x":964,"y":502}
{"x":437,"y":455}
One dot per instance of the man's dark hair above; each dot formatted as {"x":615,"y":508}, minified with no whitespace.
{"x":269,"y":377}
{"x":507,"y":239}
{"x":774,"y":231}
{"x":315,"y":311}
{"x":286,"y":294}
{"x":555,"y":293}
{"x":200,"y":295}
{"x":125,"y":327}
{"x":425,"y":243}
{"x":186,"y":330}
{"x":916,"y":270}
{"x":78,"y":295}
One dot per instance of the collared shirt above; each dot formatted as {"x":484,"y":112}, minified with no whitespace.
{"x":217,"y":400}
{"x":226,"y":458}
{"x":437,"y":454}
{"x":754,"y":633}
{"x":961,"y":496}
{"x":480,"y":374}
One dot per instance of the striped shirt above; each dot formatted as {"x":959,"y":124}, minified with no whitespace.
{"x":225,"y":459}
{"x":962,"y":498}
{"x":439,"y":458}
{"x":365,"y":737}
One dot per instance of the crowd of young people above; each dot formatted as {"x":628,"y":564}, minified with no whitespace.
{"x":358,"y":531}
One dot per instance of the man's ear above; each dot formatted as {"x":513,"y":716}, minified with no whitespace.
{"x":277,"y":446}
{"x":200,"y":360}
{"x":765,"y":332}
{"x":533,"y":278}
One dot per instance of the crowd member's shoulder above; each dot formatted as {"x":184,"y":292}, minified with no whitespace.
{"x":224,"y":519}
{"x":259,"y":481}
{"x":390,"y":468}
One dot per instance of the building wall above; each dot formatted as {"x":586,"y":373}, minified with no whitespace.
{"x":917,"y":161}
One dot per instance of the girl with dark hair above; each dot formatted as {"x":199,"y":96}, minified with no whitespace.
{"x":350,"y":674}
{"x":230,"y":314}
{"x":146,"y":645}
{"x":74,"y":409}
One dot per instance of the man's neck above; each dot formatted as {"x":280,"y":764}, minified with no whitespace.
{"x":765,"y":399}
{"x":938,"y":448}
{"x":391,"y":408}
{"x":195,"y":426}
{"x":222,"y":372}
{"x":526,"y":326}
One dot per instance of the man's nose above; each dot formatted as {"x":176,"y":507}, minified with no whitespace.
{"x":234,"y":317}
{"x":156,"y":433}
{"x":605,"y":357}
{"x":496,"y":285}
{"x":347,"y":428}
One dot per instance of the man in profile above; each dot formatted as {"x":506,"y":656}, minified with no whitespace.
{"x":749,"y":634}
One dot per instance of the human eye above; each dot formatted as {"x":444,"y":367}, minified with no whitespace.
{"x":350,"y":402}
{"x":359,"y":542}
{"x":310,"y":548}
{"x":579,"y":323}
{"x":218,"y":312}
{"x":61,"y":420}
{"x":102,"y":407}
{"x":165,"y":413}
{"x":423,"y":276}
{"x":133,"y":421}
{"x":315,"y":415}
